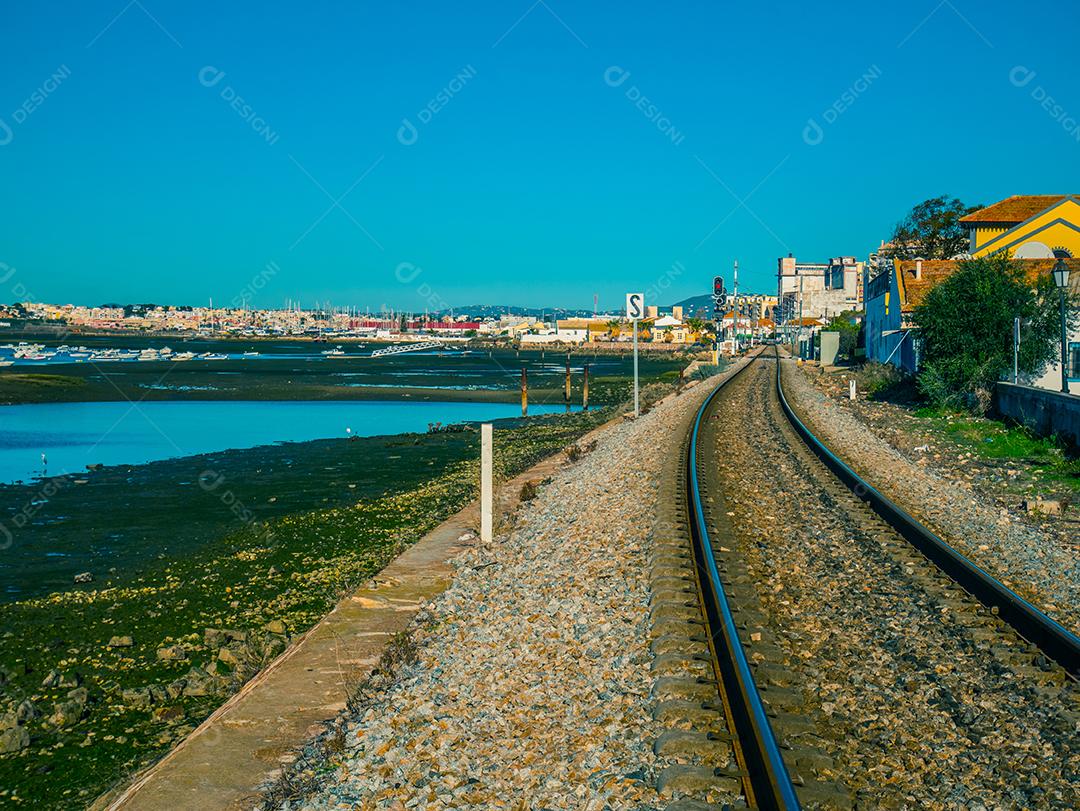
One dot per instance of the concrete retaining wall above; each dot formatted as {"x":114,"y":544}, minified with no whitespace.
{"x":1043,"y":411}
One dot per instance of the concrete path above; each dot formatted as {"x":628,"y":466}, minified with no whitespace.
{"x":222,"y":763}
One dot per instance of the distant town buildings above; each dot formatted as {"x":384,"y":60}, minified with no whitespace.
{"x":239,"y":322}
{"x":667,"y":328}
{"x":817,"y":289}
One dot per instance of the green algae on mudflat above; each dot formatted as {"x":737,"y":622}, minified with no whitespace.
{"x":288,"y":567}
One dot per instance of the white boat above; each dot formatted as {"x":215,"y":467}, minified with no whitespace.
{"x":337,"y":351}
{"x":250,"y":354}
{"x":7,"y":362}
{"x":183,"y":356}
{"x":25,"y":350}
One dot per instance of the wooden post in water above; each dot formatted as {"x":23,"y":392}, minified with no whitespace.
{"x":585,"y":390}
{"x":566,"y":387}
{"x":524,"y":392}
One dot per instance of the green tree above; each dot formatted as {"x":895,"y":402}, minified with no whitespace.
{"x":931,"y":230}
{"x":966,"y":326}
{"x":849,"y":332}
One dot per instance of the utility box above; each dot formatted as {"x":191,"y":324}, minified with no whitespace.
{"x":830,"y":347}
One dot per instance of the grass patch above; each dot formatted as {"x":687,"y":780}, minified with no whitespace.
{"x":32,"y":388}
{"x":993,"y":439}
{"x":885,"y":383}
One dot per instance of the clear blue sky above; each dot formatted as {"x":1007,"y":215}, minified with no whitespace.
{"x":539,"y":182}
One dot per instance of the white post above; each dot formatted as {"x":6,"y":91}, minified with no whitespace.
{"x":851,"y":389}
{"x":485,"y":482}
{"x":637,"y":409}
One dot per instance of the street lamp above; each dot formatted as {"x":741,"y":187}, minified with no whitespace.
{"x":1061,"y":279}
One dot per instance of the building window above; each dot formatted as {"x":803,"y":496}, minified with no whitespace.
{"x":1074,"y":361}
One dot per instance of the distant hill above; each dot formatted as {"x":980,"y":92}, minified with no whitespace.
{"x":690,"y":306}
{"x":693,"y":304}
{"x":495,"y":310}
{"x":693,"y":307}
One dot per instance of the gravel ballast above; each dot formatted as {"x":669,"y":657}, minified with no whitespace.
{"x":1035,"y":564}
{"x":531,"y":684}
{"x":915,"y":696}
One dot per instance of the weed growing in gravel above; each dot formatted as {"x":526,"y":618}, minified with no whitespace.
{"x":303,"y":776}
{"x":883,"y":381}
{"x":992,"y":439}
{"x":707,"y":370}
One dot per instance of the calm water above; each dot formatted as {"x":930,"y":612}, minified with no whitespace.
{"x":73,"y":435}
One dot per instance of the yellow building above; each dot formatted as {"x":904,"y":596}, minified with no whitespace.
{"x":1040,"y":226}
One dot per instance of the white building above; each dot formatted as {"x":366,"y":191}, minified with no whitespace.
{"x":817,"y":289}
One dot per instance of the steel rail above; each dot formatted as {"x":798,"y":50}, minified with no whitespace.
{"x":1054,"y":639}
{"x":766,"y":772}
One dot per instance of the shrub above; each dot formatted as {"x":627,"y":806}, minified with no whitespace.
{"x":966,"y":325}
{"x":849,"y":332}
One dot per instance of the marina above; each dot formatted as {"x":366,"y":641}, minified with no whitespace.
{"x":37,"y":354}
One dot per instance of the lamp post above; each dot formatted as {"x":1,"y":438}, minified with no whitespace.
{"x":1061,"y":279}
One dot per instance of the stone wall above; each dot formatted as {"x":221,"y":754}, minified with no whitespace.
{"x":1043,"y":411}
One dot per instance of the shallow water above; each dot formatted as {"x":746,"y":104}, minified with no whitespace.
{"x":74,"y":435}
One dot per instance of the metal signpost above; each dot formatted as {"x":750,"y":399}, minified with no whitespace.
{"x":719,"y":295}
{"x":635,"y":308}
{"x":1016,"y":350}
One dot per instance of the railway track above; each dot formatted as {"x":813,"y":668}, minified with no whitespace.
{"x":743,"y":724}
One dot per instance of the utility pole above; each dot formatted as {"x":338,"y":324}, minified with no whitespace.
{"x":735,"y":310}
{"x":800,"y":315}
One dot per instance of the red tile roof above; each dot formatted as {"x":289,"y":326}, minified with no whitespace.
{"x":1015,"y":209}
{"x":934,"y":271}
